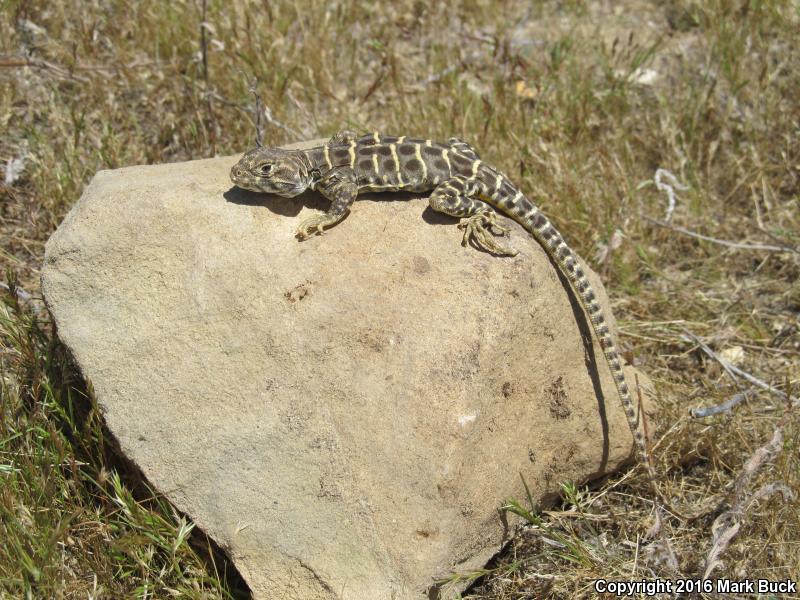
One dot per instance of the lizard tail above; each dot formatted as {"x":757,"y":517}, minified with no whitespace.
{"x":513,"y":203}
{"x":542,"y":229}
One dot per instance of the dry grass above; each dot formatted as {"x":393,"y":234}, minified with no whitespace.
{"x":580,"y":102}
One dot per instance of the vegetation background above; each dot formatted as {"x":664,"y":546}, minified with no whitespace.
{"x":581,"y":102}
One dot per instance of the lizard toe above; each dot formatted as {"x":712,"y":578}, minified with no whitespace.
{"x":478,"y":228}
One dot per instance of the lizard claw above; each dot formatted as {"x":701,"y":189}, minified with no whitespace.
{"x":478,"y":228}
{"x":312,"y":226}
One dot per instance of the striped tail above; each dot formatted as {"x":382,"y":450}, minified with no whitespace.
{"x":552,"y":241}
{"x":511,"y":202}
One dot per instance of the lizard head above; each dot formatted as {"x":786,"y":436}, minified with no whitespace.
{"x":272,"y":170}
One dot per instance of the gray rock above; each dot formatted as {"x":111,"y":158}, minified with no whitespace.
{"x":343,"y":415}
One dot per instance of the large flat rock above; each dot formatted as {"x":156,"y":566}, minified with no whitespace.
{"x":343,"y":415}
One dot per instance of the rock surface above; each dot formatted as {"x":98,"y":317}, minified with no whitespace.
{"x":343,"y":415}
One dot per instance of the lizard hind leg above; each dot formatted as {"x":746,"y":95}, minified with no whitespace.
{"x":463,"y":148}
{"x":457,"y":197}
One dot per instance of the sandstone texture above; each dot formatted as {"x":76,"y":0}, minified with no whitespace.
{"x":344,"y":415}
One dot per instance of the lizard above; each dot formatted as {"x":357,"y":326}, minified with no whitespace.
{"x":462,"y":186}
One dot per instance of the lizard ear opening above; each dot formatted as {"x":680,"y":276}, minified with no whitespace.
{"x":264,"y":169}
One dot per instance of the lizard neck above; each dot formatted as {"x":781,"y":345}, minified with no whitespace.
{"x":314,"y":163}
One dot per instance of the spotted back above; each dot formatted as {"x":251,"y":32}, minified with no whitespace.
{"x":391,"y":163}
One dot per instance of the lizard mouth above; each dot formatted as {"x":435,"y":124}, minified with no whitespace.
{"x":247,"y":181}
{"x":239,"y":176}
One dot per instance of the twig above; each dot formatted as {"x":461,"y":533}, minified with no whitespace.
{"x":707,"y":411}
{"x":660,"y":502}
{"x":212,"y":121}
{"x":727,"y":525}
{"x":640,"y":406}
{"x":257,"y":110}
{"x":273,"y":121}
{"x":775,"y":238}
{"x":729,"y":244}
{"x":224,"y":101}
{"x":265,"y":112}
{"x":734,"y":371}
{"x":754,"y":463}
{"x":204,"y":43}
{"x":439,"y":75}
{"x":721,"y":538}
{"x":667,"y":188}
{"x":726,"y":366}
{"x":43,"y":64}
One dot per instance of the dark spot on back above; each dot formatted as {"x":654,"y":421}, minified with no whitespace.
{"x":457,"y":185}
{"x":316,"y":156}
{"x":440,"y":164}
{"x":406,"y":149}
{"x":462,"y":162}
{"x":388,"y":139}
{"x":430,"y":151}
{"x":507,"y":190}
{"x":525,"y":205}
{"x":388,"y":165}
{"x":413,"y":165}
{"x":539,"y":220}
{"x":366,"y":150}
{"x":341,"y":153}
{"x":365,"y":165}
{"x":384,"y":151}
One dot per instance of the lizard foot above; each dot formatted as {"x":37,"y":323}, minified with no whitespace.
{"x":313,"y":226}
{"x":479,"y":226}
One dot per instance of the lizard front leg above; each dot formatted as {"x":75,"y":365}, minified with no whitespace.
{"x":457,"y":197}
{"x":342,"y":193}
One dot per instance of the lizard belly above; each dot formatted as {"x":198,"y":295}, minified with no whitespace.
{"x":380,"y":187}
{"x":416,"y":187}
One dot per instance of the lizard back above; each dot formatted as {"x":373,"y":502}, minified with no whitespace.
{"x":383,"y":163}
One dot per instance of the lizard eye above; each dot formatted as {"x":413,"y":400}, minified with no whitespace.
{"x":264,"y":169}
